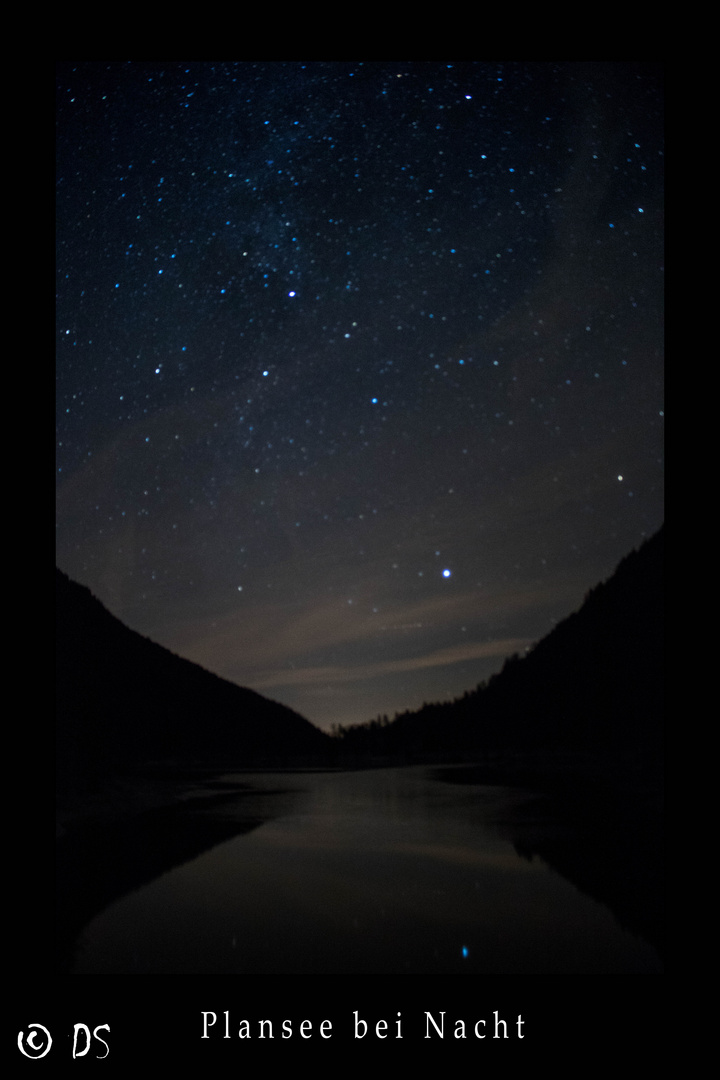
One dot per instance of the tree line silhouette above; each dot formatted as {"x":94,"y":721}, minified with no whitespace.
{"x":593,"y":685}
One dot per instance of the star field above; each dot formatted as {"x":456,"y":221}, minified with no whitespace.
{"x":359,"y":365}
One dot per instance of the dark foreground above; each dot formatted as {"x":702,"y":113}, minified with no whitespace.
{"x":602,"y":832}
{"x":602,"y":835}
{"x":103,"y":855}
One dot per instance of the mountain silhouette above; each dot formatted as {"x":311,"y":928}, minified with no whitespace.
{"x":123,"y":701}
{"x":593,"y":686}
{"x":577,"y":721}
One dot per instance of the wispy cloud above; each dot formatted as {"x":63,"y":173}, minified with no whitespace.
{"x":363,"y":672}
{"x":264,"y":637}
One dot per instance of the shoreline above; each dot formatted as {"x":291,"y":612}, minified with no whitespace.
{"x":107,"y":848}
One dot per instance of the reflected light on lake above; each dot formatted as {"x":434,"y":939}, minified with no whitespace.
{"x":381,"y":871}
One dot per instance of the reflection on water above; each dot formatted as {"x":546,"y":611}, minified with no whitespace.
{"x":385,"y":871}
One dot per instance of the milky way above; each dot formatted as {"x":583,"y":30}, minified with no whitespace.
{"x":359,"y":365}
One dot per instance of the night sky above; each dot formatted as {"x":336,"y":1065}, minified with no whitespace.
{"x":359,"y":364}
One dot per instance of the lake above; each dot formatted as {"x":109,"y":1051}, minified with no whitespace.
{"x":378,"y":871}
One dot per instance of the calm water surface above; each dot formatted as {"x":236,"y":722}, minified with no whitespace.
{"x":384,"y":871}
